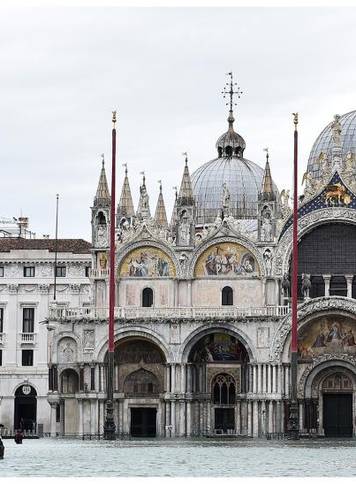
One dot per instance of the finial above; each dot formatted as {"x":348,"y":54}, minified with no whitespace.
{"x":143,"y":178}
{"x":229,"y":91}
{"x":102,"y":160}
{"x":160,"y":185}
{"x":113,"y":119}
{"x":267,"y":152}
{"x":295,"y":120}
{"x":185,"y":154}
{"x":125,"y":165}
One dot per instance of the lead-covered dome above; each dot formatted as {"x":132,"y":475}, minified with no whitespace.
{"x":242,"y":177}
{"x":322,"y":148}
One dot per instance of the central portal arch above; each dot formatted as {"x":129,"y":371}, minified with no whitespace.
{"x":25,"y":408}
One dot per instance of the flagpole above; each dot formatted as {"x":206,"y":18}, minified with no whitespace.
{"x":109,"y":425}
{"x":293,"y":407}
{"x":55,"y":253}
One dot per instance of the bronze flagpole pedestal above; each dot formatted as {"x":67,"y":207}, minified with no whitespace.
{"x":293,"y":417}
{"x":109,"y":424}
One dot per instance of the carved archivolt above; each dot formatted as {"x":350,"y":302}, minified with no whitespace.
{"x":305,"y":224}
{"x":306,"y":312}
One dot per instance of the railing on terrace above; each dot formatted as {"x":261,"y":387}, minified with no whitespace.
{"x":56,"y":313}
{"x":27,"y":337}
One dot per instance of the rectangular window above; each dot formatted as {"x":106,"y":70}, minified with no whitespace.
{"x":87,"y":270}
{"x":60,"y":271}
{"x":27,"y":357}
{"x":1,"y":320}
{"x":29,"y":271}
{"x":1,"y":271}
{"x":28,"y":321}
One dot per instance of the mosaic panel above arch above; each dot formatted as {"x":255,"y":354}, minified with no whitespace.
{"x":333,"y":335}
{"x":226,"y":259}
{"x":147,"y":262}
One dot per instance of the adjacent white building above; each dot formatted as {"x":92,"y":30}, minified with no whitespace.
{"x":26,"y":291}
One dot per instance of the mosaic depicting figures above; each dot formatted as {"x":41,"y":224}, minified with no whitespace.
{"x":329,"y":334}
{"x":226,"y":259}
{"x":147,"y":262}
{"x":219,"y":347}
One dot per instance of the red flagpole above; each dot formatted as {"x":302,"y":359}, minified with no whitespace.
{"x":294,"y":347}
{"x":293,"y":424}
{"x":109,"y":425}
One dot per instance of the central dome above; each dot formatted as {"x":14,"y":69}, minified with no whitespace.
{"x":243,"y":179}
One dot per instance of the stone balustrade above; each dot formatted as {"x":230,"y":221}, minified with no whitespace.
{"x":28,"y":338}
{"x":60,"y":313}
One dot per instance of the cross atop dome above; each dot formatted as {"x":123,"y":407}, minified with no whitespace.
{"x":229,"y":90}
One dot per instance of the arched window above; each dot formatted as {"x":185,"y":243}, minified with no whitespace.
{"x":228,"y":150}
{"x":224,"y":390}
{"x":101,"y":220}
{"x":317,"y":286}
{"x":141,"y":382}
{"x":147,"y":297}
{"x":227,"y":298}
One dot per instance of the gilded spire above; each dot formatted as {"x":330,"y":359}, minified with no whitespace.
{"x":160,"y":214}
{"x":102,"y":196}
{"x":125,"y":207}
{"x":267,"y":192}
{"x":185,"y":196}
{"x":143,"y":209}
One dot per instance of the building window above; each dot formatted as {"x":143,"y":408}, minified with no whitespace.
{"x":28,"y":321}
{"x":1,"y":271}
{"x":27,"y":357}
{"x":227,"y":298}
{"x":338,"y":286}
{"x":60,"y":271}
{"x":147,"y":297}
{"x":1,"y":320}
{"x":87,"y":271}
{"x":29,"y":271}
{"x":0,"y":357}
{"x":224,"y":390}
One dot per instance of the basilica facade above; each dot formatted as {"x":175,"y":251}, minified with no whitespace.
{"x":202,"y":316}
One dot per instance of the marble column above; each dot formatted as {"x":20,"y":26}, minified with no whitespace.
{"x":183,"y":378}
{"x":168,"y":377}
{"x":249,"y":418}
{"x":270,"y":416}
{"x":300,"y":416}
{"x":173,"y":418}
{"x":168,"y":419}
{"x":255,"y":418}
{"x":189,"y":378}
{"x":80,"y":419}
{"x":281,"y":379}
{"x":278,"y":417}
{"x":173,"y":377}
{"x":254,"y":378}
{"x":182,"y":418}
{"x":189,"y":418}
{"x":259,"y":379}
{"x":274,"y":379}
{"x":287,"y":392}
{"x":327,"y":278}
{"x":53,"y":419}
{"x":349,"y":279}
{"x":189,"y":298}
{"x":238,"y":417}
{"x":269,"y":379}
{"x":208,"y":417}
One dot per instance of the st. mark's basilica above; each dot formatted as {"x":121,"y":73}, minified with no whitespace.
{"x":202,"y":313}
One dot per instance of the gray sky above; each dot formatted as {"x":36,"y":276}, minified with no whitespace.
{"x":63,"y":70}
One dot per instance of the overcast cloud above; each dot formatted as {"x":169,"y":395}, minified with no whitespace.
{"x":64,"y":70}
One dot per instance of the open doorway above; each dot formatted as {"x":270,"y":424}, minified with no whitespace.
{"x":143,"y":422}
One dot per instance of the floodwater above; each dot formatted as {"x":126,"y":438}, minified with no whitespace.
{"x":179,"y":458}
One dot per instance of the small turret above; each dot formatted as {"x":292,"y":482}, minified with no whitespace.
{"x":267,"y":206}
{"x":101,"y":212}
{"x":125,"y":207}
{"x":160,"y":214}
{"x":185,"y":219}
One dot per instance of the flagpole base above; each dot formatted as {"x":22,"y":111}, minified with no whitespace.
{"x":109,"y":425}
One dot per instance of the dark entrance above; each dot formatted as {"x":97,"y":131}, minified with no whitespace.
{"x":224,"y":419}
{"x":337,"y":414}
{"x":25,"y":408}
{"x":143,"y":422}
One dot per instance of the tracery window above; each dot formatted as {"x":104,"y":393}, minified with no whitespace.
{"x":141,"y":382}
{"x":224,"y":390}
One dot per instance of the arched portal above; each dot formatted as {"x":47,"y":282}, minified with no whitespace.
{"x":25,"y":408}
{"x":218,"y":367}
{"x":140,"y":380}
